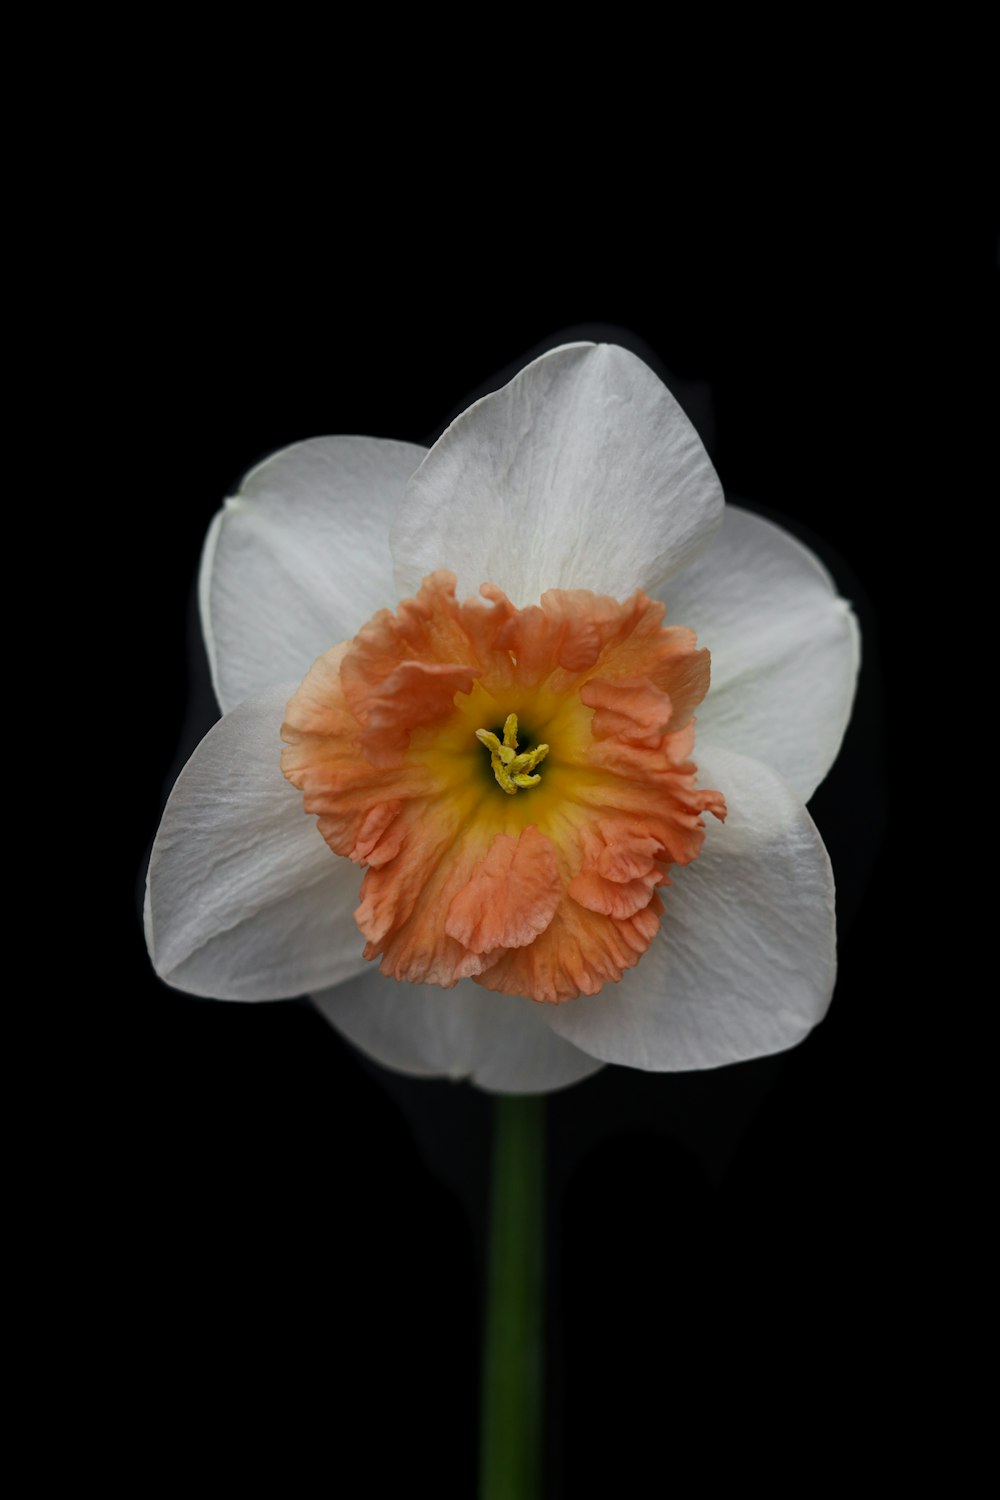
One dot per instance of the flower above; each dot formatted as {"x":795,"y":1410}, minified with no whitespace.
{"x":579,"y":494}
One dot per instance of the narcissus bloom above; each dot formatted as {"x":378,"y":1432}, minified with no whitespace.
{"x":523,"y":754}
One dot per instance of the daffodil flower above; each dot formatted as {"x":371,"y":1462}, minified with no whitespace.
{"x":523,"y":754}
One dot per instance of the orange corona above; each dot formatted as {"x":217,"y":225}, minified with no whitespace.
{"x":517,"y":782}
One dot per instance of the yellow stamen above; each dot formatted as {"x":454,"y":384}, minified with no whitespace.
{"x":511,"y":770}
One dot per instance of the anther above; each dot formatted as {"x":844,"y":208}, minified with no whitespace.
{"x":512,"y":771}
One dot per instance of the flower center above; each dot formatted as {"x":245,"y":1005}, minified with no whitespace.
{"x":549,"y":898}
{"x":512,"y":771}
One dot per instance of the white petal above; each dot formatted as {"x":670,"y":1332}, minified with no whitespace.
{"x":500,"y":1042}
{"x":785,"y":649}
{"x":299,"y":559}
{"x":244,"y":900}
{"x":583,"y":472}
{"x":745,"y":960}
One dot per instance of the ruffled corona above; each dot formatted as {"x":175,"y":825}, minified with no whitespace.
{"x":517,"y":782}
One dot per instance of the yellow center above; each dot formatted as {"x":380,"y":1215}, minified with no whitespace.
{"x":512,"y":771}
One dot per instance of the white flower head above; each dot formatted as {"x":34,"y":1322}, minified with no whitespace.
{"x":511,"y":755}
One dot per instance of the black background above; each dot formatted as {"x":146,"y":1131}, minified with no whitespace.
{"x":297,"y":1231}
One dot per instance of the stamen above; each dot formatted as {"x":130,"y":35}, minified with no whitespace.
{"x":511,"y":770}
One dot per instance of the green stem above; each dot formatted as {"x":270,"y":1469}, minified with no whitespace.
{"x":510,"y":1454}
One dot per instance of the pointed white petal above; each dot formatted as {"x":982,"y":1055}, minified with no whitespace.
{"x":299,"y":559}
{"x":583,"y":472}
{"x":244,"y":900}
{"x":745,"y":960}
{"x":500,"y":1042}
{"x":785,"y":648}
